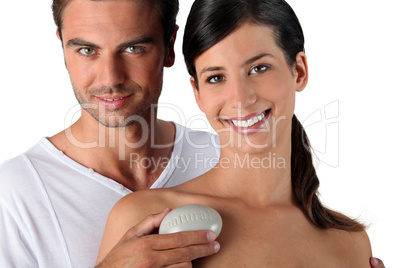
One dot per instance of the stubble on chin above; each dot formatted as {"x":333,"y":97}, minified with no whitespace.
{"x":118,"y":118}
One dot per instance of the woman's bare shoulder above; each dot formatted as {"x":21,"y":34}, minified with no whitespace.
{"x":361,"y":247}
{"x":353,"y":248}
{"x":128,"y":212}
{"x":135,"y":206}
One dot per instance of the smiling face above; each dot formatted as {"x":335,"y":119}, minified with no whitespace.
{"x":115,"y":54}
{"x":247,"y":89}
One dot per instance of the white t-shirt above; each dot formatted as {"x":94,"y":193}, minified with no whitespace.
{"x":53,"y":210}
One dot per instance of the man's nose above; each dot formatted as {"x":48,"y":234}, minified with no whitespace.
{"x":111,"y":71}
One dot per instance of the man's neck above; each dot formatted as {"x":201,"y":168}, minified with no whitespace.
{"x":129,"y":155}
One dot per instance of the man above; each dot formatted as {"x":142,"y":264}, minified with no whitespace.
{"x":55,"y":198}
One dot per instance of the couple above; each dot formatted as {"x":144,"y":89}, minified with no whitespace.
{"x":246,"y":61}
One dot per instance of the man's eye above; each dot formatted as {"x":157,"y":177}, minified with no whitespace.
{"x":133,"y":49}
{"x":258,"y":69}
{"x":215,"y":79}
{"x":87,"y":51}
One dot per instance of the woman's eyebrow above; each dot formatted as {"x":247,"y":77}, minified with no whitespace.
{"x":211,"y":69}
{"x":262,"y":55}
{"x":249,"y":61}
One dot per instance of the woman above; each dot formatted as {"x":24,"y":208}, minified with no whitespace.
{"x":246,"y":63}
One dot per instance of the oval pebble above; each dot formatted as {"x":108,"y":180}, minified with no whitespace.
{"x":192,"y":217}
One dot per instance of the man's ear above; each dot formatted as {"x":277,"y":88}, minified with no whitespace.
{"x":196,"y":93}
{"x":58,"y":35}
{"x":301,"y":70}
{"x":170,"y":54}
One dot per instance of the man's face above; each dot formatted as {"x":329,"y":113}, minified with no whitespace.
{"x":115,"y":54}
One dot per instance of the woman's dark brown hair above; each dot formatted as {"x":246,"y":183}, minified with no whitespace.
{"x":209,"y":22}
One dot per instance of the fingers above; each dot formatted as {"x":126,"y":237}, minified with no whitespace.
{"x":179,"y":248}
{"x":183,"y":256}
{"x":147,"y":225}
{"x":139,"y":246}
{"x":376,"y":263}
{"x":183,"y":239}
{"x":181,"y":265}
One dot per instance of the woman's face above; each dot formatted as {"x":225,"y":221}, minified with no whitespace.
{"x":247,"y":89}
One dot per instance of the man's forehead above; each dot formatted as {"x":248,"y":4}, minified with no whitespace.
{"x":109,"y":12}
{"x":140,"y":4}
{"x":150,"y":3}
{"x":110,"y":21}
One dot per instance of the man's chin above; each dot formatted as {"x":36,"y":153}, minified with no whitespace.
{"x":123,"y":121}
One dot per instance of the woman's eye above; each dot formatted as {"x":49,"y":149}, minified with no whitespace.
{"x":133,"y":49}
{"x":87,"y":51}
{"x":258,"y":69}
{"x":216,"y":79}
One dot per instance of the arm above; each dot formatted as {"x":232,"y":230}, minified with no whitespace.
{"x":138,"y":247}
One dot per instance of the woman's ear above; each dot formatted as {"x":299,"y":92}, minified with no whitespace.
{"x":196,"y":93}
{"x":301,"y":69}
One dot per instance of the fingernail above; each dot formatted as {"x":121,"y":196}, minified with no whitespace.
{"x":217,"y":246}
{"x":376,"y":261}
{"x":211,"y":236}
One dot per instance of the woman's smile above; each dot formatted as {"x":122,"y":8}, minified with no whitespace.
{"x":251,"y":123}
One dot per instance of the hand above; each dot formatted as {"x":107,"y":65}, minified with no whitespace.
{"x":139,"y":248}
{"x":376,"y":263}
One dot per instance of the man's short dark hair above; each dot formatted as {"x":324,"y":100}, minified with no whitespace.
{"x":167,"y":10}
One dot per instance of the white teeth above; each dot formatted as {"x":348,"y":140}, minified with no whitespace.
{"x":250,"y":122}
{"x":113,"y":99}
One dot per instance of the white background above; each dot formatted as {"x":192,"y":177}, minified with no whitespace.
{"x":354,"y":54}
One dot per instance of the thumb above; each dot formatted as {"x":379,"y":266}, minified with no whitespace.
{"x":149,"y":224}
{"x":376,"y":263}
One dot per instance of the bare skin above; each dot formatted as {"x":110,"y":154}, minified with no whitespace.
{"x":276,"y":235}
{"x":263,"y":226}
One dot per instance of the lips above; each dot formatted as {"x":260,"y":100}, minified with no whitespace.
{"x":113,"y":102}
{"x":113,"y":99}
{"x":250,"y":124}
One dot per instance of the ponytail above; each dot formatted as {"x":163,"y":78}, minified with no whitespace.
{"x":305,"y":184}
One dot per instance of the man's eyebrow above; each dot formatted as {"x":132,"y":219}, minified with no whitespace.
{"x":135,"y":42}
{"x":262,"y":55}
{"x":76,"y":42}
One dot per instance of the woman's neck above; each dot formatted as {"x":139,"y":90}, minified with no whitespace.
{"x":258,"y":179}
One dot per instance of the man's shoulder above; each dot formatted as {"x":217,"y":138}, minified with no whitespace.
{"x":183,"y":131}
{"x":17,"y":173}
{"x":196,"y":140}
{"x":19,"y":163}
{"x":14,"y":169}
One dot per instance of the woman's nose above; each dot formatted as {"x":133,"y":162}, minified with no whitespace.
{"x":241,"y":94}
